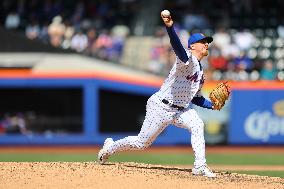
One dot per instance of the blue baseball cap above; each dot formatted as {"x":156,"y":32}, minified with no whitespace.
{"x":198,"y":37}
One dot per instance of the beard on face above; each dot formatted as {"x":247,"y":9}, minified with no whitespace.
{"x":205,"y":52}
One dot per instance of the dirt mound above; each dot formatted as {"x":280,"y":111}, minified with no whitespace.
{"x":120,"y":176}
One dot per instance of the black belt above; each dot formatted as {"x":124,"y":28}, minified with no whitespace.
{"x":172,"y":105}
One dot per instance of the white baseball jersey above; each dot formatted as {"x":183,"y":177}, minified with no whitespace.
{"x":183,"y":83}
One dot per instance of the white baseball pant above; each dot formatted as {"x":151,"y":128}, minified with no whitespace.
{"x":158,"y":117}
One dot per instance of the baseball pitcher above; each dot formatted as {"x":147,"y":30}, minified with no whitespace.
{"x":171,"y":104}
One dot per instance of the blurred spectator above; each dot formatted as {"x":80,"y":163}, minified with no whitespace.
{"x":121,"y":31}
{"x":115,"y":51}
{"x":102,"y":45}
{"x":14,"y":124}
{"x":12,"y":20}
{"x":56,"y":31}
{"x":33,"y":30}
{"x":222,"y":39}
{"x":91,"y":36}
{"x":68,"y":34}
{"x":216,"y":60}
{"x":231,"y":51}
{"x":243,"y":62}
{"x":268,"y":71}
{"x":280,"y":31}
{"x":79,"y":42}
{"x":280,"y":75}
{"x":244,"y":39}
{"x":118,"y":34}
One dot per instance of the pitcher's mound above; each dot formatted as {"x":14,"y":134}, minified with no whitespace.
{"x":121,"y":176}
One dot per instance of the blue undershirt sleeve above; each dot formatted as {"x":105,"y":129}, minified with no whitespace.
{"x":176,"y":44}
{"x":202,"y":102}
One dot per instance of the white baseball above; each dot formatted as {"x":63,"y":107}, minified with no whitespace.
{"x":165,"y":13}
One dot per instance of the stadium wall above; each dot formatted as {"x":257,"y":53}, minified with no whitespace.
{"x":111,"y":108}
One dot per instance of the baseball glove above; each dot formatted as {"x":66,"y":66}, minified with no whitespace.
{"x":219,"y":95}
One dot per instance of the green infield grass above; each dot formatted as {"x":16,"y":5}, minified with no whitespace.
{"x":151,"y":158}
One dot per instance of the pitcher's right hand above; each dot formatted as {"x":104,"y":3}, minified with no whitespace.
{"x":167,"y":20}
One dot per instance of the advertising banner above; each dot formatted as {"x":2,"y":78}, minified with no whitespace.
{"x":257,"y":117}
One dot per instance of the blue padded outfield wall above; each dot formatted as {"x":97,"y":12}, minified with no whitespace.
{"x":251,"y":116}
{"x":90,"y":134}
